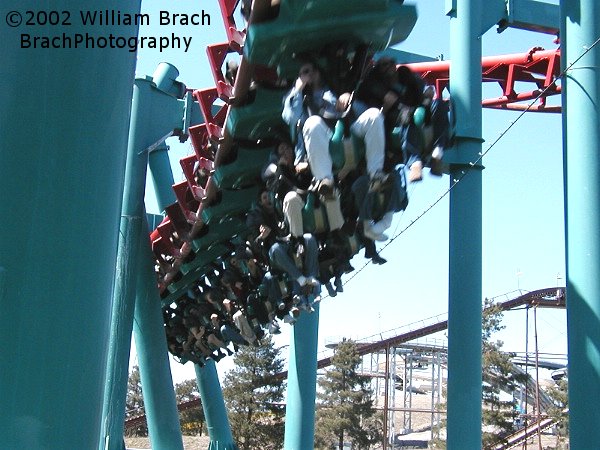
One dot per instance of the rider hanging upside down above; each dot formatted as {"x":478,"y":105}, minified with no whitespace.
{"x":312,"y":109}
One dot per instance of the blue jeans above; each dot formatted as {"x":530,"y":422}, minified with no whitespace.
{"x":230,"y":334}
{"x":280,"y":258}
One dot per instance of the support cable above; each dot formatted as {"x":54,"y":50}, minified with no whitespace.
{"x":479,"y":158}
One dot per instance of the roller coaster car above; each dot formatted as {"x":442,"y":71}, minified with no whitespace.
{"x":244,"y":171}
{"x":197,"y":268}
{"x":302,"y":26}
{"x":229,"y":203}
{"x":220,"y":232}
{"x":258,"y":117}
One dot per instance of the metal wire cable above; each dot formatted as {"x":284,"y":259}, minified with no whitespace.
{"x":472,"y":164}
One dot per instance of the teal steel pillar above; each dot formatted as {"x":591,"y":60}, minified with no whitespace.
{"x":581,"y":141}
{"x":213,"y":405}
{"x":156,"y":112}
{"x":64,"y":115}
{"x":207,"y":377}
{"x":464,"y":310}
{"x":151,"y":345}
{"x":302,"y":384}
{"x":162,"y":176}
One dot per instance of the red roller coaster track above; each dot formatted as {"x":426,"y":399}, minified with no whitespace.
{"x":536,"y":72}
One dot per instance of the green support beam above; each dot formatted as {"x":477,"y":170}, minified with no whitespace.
{"x":160,"y":403}
{"x":214,"y":407}
{"x":64,"y":116}
{"x":157,"y":111}
{"x":302,"y":383}
{"x":581,"y":140}
{"x":465,"y":297}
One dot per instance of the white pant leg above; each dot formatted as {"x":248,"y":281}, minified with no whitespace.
{"x":334,"y":213}
{"x":369,"y":126}
{"x":292,"y":211}
{"x":316,"y":136}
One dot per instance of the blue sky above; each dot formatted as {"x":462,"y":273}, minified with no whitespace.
{"x":523,"y":229}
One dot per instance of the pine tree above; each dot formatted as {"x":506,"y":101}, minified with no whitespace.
{"x":254,"y":398}
{"x":559,"y":413}
{"x":134,"y":403}
{"x":345,"y":409}
{"x":499,"y":380}
{"x":191,"y":419}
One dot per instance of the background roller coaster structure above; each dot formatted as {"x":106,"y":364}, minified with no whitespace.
{"x":43,"y":397}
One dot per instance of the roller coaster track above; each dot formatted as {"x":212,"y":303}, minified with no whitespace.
{"x":526,"y":433}
{"x":544,"y":298}
{"x":198,"y":229}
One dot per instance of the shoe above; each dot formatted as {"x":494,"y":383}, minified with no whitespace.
{"x":379,"y":227}
{"x":339,"y":287}
{"x":303,"y":303}
{"x":380,"y":181}
{"x":299,"y":251}
{"x":347,"y":267}
{"x":330,"y":290}
{"x":378,"y":260}
{"x":416,"y":172}
{"x":315,"y":286}
{"x":326,"y":188}
{"x":313,"y":281}
{"x":273,"y":328}
{"x":308,"y":302}
{"x":280,"y":305}
{"x":301,"y":280}
{"x":288,"y":318}
{"x":369,"y":234}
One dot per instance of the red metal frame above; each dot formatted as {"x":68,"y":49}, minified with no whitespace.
{"x":235,"y":36}
{"x":214,"y":123}
{"x":216,"y":57}
{"x":537,"y":66}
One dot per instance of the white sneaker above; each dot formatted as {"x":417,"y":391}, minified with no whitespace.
{"x":288,"y":318}
{"x":369,"y":234}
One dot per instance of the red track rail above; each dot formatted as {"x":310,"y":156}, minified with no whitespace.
{"x":545,"y":298}
{"x":538,"y":69}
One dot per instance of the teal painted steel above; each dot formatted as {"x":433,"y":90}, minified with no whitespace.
{"x":464,"y":310}
{"x":581,"y":139}
{"x":151,"y":345}
{"x":148,"y":125}
{"x":214,"y":407}
{"x":162,"y":176}
{"x":302,"y":383}
{"x":64,"y":116}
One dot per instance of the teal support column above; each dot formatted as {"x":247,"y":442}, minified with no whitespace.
{"x":581,"y":140}
{"x":302,"y":384}
{"x":156,"y":112}
{"x":206,"y":377}
{"x":213,"y":405}
{"x":151,"y":345}
{"x":162,"y":176}
{"x":64,"y":115}
{"x":464,"y":310}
